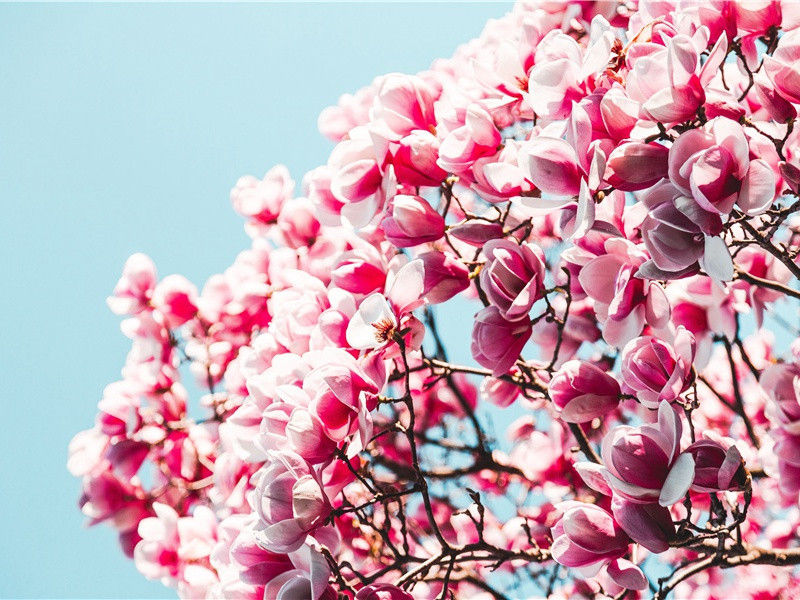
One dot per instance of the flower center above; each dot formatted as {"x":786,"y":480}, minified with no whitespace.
{"x":384,"y":329}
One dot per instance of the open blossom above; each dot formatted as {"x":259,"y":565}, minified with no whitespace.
{"x":669,"y":80}
{"x":513,"y":277}
{"x":380,"y":317}
{"x":644,"y":464}
{"x":170,"y":542}
{"x":587,"y":538}
{"x":655,"y":370}
{"x":713,"y":166}
{"x":290,"y":502}
{"x":623,"y":301}
{"x":581,"y":391}
{"x":261,"y":201}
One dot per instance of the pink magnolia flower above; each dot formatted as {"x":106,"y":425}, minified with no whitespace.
{"x":445,"y":276}
{"x":380,"y":317}
{"x":497,"y":342}
{"x":290,"y":502}
{"x":782,"y":67}
{"x":713,"y":166}
{"x":307,"y":581}
{"x":261,"y":200}
{"x":586,"y":538}
{"x":298,"y":224}
{"x":623,"y":302}
{"x":582,"y":392}
{"x":412,"y":221}
{"x":415,"y":157}
{"x":170,"y":543}
{"x":644,"y":465}
{"x":464,"y":145}
{"x":655,"y":370}
{"x":513,"y":277}
{"x":290,"y":423}
{"x":404,"y":103}
{"x":353,"y":186}
{"x":680,"y":237}
{"x":670,"y":81}
{"x":359,"y":272}
{"x":717,"y":467}
{"x":382,"y":591}
{"x":134,"y":289}
{"x":175,"y":297}
{"x":341,"y":394}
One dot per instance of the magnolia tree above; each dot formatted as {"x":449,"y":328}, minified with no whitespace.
{"x":607,"y":194}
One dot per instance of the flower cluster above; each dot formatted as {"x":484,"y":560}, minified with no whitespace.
{"x":611,"y":189}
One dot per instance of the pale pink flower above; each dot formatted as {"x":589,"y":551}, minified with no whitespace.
{"x":623,"y":302}
{"x":134,"y":289}
{"x":261,"y":201}
{"x":669,"y":81}
{"x":289,"y":500}
{"x":478,"y":137}
{"x":380,"y":317}
{"x":782,"y":67}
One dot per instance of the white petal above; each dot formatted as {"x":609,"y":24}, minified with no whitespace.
{"x":360,"y":332}
{"x":716,"y":260}
{"x":678,"y":480}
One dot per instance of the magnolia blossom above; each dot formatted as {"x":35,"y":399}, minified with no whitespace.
{"x":610,"y":188}
{"x":513,"y":277}
{"x":587,"y":538}
{"x":654,"y":370}
{"x":644,"y":464}
{"x":713,"y":167}
{"x":623,"y":301}
{"x":582,"y":392}
{"x":289,"y":501}
{"x":497,"y":342}
{"x":378,"y":317}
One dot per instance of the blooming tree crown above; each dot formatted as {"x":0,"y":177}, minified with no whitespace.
{"x":608,"y":193}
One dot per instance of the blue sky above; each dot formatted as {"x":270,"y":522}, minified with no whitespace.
{"x":122,"y":129}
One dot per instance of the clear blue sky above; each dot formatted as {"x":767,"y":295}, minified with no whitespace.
{"x":122,"y":129}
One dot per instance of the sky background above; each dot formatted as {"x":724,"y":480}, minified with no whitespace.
{"x":122,"y":129}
